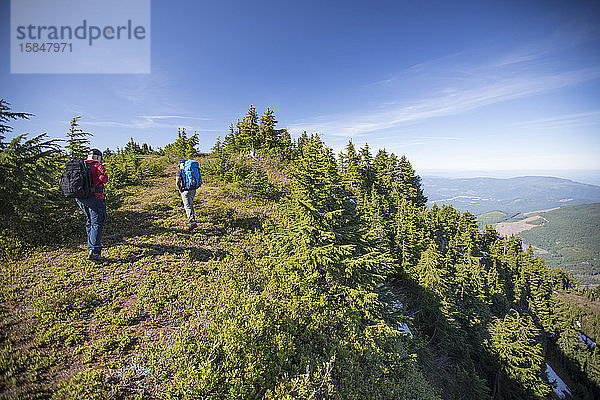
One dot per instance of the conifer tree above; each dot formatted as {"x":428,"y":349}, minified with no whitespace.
{"x":430,"y":270}
{"x":6,"y":115}
{"x":385,"y":171}
{"x":267,"y":134}
{"x":321,"y":213}
{"x":409,"y":185}
{"x":409,"y":234}
{"x":133,"y":148}
{"x":350,"y":168}
{"x":77,"y":141}
{"x":287,"y":146}
{"x":319,"y":246}
{"x":366,"y":164}
{"x":183,"y":147}
{"x":247,"y":135}
{"x":521,"y":356}
{"x":28,"y":174}
{"x":467,"y":236}
{"x":229,"y":143}
{"x":218,"y":147}
{"x":379,"y":231}
{"x":366,"y":158}
{"x":192,"y":142}
{"x":300,"y":143}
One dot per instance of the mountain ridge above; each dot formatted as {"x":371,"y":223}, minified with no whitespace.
{"x":517,"y":194}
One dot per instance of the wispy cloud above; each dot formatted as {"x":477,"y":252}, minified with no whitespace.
{"x":152,"y":117}
{"x":146,"y":122}
{"x":562,"y":121}
{"x":463,"y":81}
{"x":400,"y":144}
{"x":518,"y":57}
{"x":155,"y":91}
{"x":489,"y":87}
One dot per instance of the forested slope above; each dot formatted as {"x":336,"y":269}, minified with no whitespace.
{"x":309,"y":276}
{"x":571,"y":235}
{"x":567,"y":237}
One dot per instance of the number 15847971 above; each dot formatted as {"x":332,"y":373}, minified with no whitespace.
{"x":46,"y":47}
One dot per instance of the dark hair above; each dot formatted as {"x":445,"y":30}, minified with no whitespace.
{"x":95,"y":155}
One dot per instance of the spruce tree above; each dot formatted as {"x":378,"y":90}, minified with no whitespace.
{"x":268,"y":136}
{"x":409,"y":184}
{"x":409,"y":233}
{"x":321,"y":213}
{"x":286,"y":144}
{"x":319,"y":249}
{"x":229,"y":143}
{"x":29,"y":171}
{"x":522,"y":367}
{"x":77,"y":141}
{"x":6,"y":115}
{"x":247,"y":135}
{"x":183,"y":147}
{"x":350,"y":168}
{"x":430,"y":270}
{"x":386,"y":172}
{"x":133,"y":148}
{"x":366,"y":165}
{"x":379,"y":226}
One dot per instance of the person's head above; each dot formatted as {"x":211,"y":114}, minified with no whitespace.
{"x":94,"y":155}
{"x":181,"y":164}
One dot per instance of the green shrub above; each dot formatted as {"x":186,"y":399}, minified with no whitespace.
{"x":90,"y":385}
{"x":256,"y":184}
{"x":57,"y":308}
{"x":110,"y":344}
{"x":152,"y":168}
{"x":123,"y":169}
{"x":229,"y":168}
{"x":182,"y":148}
{"x":11,"y":247}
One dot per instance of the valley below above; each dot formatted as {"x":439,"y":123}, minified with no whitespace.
{"x":559,"y":218}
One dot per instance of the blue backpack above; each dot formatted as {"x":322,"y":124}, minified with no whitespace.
{"x":191,"y":175}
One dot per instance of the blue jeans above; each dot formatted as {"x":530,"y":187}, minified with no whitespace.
{"x":94,"y":209}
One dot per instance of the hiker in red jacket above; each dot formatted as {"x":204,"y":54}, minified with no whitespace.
{"x":94,"y":207}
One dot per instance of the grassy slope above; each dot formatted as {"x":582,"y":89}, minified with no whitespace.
{"x":491,"y":218}
{"x":62,"y":314}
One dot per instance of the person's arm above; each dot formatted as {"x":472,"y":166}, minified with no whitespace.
{"x":178,"y":180}
{"x":101,"y":173}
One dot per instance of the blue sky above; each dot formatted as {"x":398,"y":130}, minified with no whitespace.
{"x":492,"y":87}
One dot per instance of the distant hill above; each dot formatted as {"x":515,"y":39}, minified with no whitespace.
{"x":513,"y":195}
{"x":568,"y":237}
{"x":492,"y":217}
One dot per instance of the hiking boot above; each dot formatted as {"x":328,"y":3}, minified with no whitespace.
{"x":95,"y":256}
{"x":192,"y":226}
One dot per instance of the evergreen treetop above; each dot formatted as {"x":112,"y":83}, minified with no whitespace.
{"x":6,"y":115}
{"x":77,"y":141}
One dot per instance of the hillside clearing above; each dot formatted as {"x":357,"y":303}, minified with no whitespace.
{"x":514,"y":228}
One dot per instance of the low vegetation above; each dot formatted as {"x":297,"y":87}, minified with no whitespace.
{"x":308,"y":277}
